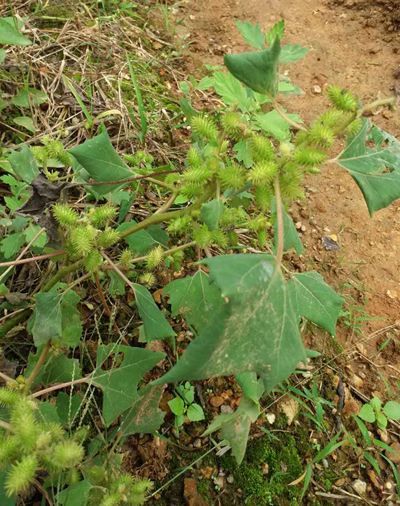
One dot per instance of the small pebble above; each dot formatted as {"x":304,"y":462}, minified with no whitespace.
{"x":303,"y":228}
{"x":230,"y":479}
{"x":325,"y":463}
{"x":298,"y":225}
{"x":388,"y":485}
{"x":271,"y":418}
{"x":197,"y":443}
{"x":316,"y":89}
{"x":359,"y":486}
{"x":226,"y":409}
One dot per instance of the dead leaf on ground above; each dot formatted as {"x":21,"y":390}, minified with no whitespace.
{"x":289,"y":407}
{"x":191,"y":494}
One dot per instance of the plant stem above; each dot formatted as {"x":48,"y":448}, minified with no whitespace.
{"x":5,"y":377}
{"x":158,"y":218}
{"x":127,"y":180}
{"x":391,"y":102}
{"x":28,"y":260}
{"x":166,"y":252}
{"x":167,"y":204}
{"x":118,"y":271}
{"x":280,"y":230}
{"x":21,"y":317}
{"x":286,"y":118}
{"x":68,"y":269}
{"x":37,"y":368}
{"x":161,"y":183}
{"x":5,"y":425}
{"x":59,"y":386}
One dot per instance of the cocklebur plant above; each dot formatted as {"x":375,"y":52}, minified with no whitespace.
{"x":244,"y":168}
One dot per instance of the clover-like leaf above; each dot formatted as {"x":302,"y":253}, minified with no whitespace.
{"x":367,"y":413}
{"x":392,"y":410}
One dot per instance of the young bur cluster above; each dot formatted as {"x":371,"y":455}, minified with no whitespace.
{"x":31,"y":444}
{"x":88,"y":233}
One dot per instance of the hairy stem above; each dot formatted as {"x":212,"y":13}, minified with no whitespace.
{"x":167,"y":204}
{"x":294,"y":124}
{"x":166,"y":252}
{"x":5,"y":425}
{"x":37,"y":368}
{"x":391,"y":102}
{"x":158,"y":218}
{"x":127,"y":180}
{"x":5,"y":377}
{"x":280,"y":230}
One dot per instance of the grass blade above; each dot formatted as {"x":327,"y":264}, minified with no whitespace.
{"x":143,"y":120}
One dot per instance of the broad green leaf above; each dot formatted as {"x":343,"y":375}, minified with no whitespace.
{"x":4,"y":499}
{"x":367,"y":413}
{"x":194,"y":298}
{"x":57,"y":369}
{"x":375,"y":169}
{"x":68,"y":407}
{"x":292,"y":52}
{"x":291,"y":238}
{"x":25,"y":122}
{"x":287,"y":88}
{"x":278,"y":30}
{"x":231,"y":90}
{"x":47,"y":412}
{"x":98,"y":157}
{"x":252,"y":387}
{"x":243,"y":153}
{"x":29,"y":96}
{"x":155,"y":324}
{"x":252,"y":34}
{"x":144,"y":240}
{"x":48,"y":317}
{"x":205,"y":83}
{"x":313,"y":299}
{"x":76,"y":494}
{"x":211,"y":213}
{"x":119,"y":383}
{"x":71,"y":320}
{"x":23,"y":164}
{"x":11,"y":36}
{"x":255,"y":330}
{"x":235,"y":427}
{"x":117,"y":284}
{"x":273,"y":123}
{"x":258,"y":70}
{"x":392,"y":410}
{"x":376,"y":404}
{"x":381,"y":421}
{"x":177,"y":406}
{"x":30,"y":233}
{"x":144,"y":416}
{"x":11,"y":244}
{"x":195,"y":413}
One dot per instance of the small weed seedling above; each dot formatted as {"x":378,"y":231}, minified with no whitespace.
{"x":374,"y":412}
{"x":183,"y":405}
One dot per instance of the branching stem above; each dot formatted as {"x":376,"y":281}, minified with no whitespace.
{"x":37,"y":368}
{"x":294,"y":124}
{"x":59,"y":386}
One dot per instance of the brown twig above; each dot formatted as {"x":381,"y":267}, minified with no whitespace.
{"x":59,"y":386}
{"x":33,"y":259}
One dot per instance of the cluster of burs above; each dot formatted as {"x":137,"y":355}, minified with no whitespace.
{"x":210,"y":160}
{"x":29,"y":445}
